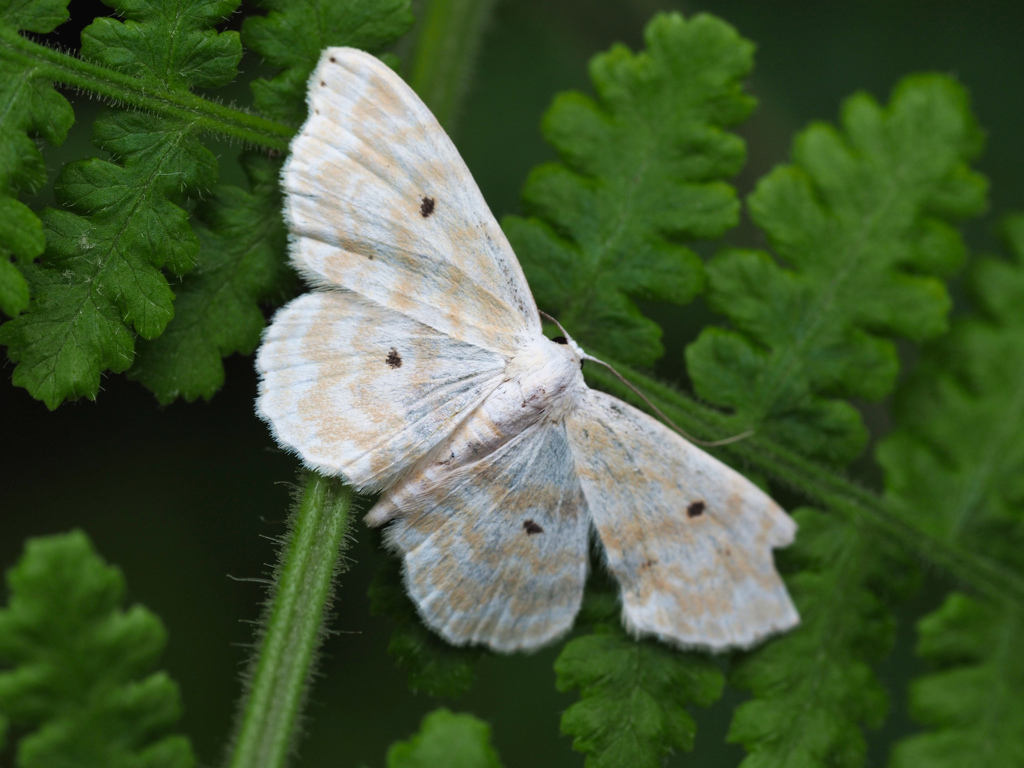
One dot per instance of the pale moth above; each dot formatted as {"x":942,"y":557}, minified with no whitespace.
{"x":417,"y":368}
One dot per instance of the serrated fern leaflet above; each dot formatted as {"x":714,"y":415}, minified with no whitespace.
{"x":814,"y":689}
{"x":100,"y":285}
{"x":77,"y":676}
{"x":294,"y":33}
{"x":99,"y":281}
{"x":446,"y":738}
{"x":642,"y":172}
{"x":854,"y":219}
{"x":634,"y":694}
{"x":861,"y":217}
{"x":217,"y":308}
{"x":29,"y":107}
{"x":957,"y":458}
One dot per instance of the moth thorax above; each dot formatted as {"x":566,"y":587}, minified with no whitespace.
{"x":547,"y":376}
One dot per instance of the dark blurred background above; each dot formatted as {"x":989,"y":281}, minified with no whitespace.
{"x":185,"y":497}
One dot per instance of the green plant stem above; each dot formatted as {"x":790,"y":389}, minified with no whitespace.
{"x":283,"y":665}
{"x":448,"y":38}
{"x":38,"y":60}
{"x":825,"y":486}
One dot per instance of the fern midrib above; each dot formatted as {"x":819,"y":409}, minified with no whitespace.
{"x":139,"y":193}
{"x":846,"y":571}
{"x":993,"y":446}
{"x":629,"y":730}
{"x":142,"y":193}
{"x":27,"y":76}
{"x":637,"y":652}
{"x":988,"y":576}
{"x":144,"y":93}
{"x":103,"y":261}
{"x":581,"y":308}
{"x":173,"y":39}
{"x":821,"y":310}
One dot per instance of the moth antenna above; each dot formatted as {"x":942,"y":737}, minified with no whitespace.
{"x":666,"y":419}
{"x":553,"y":320}
{"x":653,"y":407}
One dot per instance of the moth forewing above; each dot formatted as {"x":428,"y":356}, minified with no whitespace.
{"x":417,"y":367}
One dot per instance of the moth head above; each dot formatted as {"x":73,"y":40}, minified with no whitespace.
{"x":571,"y":348}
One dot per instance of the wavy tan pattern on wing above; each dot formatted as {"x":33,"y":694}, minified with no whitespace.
{"x":689,"y":539}
{"x":361,"y":391}
{"x":380,"y":202}
{"x":496,"y":552}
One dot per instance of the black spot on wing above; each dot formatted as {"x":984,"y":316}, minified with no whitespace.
{"x":696,"y":509}
{"x":394,"y":359}
{"x":427,"y":206}
{"x":560,"y":340}
{"x":531,"y":528}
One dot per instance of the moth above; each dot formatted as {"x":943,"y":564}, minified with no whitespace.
{"x":417,"y":368}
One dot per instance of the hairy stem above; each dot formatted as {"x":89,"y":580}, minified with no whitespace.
{"x":826,"y":487}
{"x":124,"y":89}
{"x":283,"y":665}
{"x":448,"y":38}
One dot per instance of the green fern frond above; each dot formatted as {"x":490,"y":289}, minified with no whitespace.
{"x":100,"y":281}
{"x":30,"y":107}
{"x":814,"y":689}
{"x":862,"y":220}
{"x":448,"y":739}
{"x":957,"y":458}
{"x":78,"y":677}
{"x":634,"y":694}
{"x":241,"y":234}
{"x":972,"y":701}
{"x":217,"y":308}
{"x":39,"y":16}
{"x":642,"y":172}
{"x":295,"y":32}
